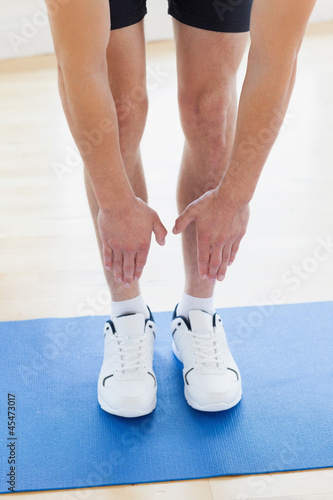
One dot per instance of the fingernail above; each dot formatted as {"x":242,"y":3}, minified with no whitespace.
{"x":135,"y":278}
{"x":212,"y":279}
{"x":118,"y":280}
{"x":221,"y":277}
{"x":204,"y":276}
{"x":108,"y":268}
{"x":127,"y":285}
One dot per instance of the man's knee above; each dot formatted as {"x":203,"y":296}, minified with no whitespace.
{"x":206,"y":116}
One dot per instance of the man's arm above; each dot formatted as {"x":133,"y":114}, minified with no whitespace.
{"x":277,"y":30}
{"x":81,"y":32}
{"x":221,"y":215}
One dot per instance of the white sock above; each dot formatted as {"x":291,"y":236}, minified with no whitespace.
{"x":189,"y":303}
{"x":136,"y":305}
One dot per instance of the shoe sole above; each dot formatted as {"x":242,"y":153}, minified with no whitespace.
{"x":212,"y":406}
{"x":126,"y":412}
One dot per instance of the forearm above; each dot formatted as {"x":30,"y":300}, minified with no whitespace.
{"x":263,"y":104}
{"x":277,"y":30}
{"x":92,"y":118}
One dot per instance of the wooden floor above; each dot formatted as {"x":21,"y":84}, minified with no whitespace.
{"x":49,"y":265}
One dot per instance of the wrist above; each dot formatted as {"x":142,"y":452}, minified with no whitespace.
{"x":116,"y":201}
{"x":235,"y":189}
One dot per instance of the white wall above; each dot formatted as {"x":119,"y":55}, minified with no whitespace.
{"x":24,"y":29}
{"x":323,"y":11}
{"x":158,"y":24}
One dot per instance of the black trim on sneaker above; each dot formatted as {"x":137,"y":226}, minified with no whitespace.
{"x":153,"y":378}
{"x":113,"y":328}
{"x":151,"y":314}
{"x":109,"y":376}
{"x":214,"y":319}
{"x":185,"y":376}
{"x":151,"y":318}
{"x":231,"y":369}
{"x":186,"y":320}
{"x":174,"y":316}
{"x":151,"y":326}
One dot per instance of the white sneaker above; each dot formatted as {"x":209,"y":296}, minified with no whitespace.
{"x":127,"y":383}
{"x":212,"y":380}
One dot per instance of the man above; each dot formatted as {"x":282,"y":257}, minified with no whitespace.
{"x":103,"y":90}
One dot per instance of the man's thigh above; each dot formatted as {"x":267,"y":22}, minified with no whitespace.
{"x":207,"y":62}
{"x":126,"y":60}
{"x":126,"y":50}
{"x":211,"y":37}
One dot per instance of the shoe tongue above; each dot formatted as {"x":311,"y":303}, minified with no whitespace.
{"x":132,"y":325}
{"x":200,"y":321}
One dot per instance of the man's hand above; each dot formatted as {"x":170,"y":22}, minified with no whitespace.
{"x":126,"y":236}
{"x":220,"y":225}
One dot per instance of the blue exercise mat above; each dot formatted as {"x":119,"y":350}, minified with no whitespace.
{"x":62,"y":439}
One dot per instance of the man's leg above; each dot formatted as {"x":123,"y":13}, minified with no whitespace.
{"x":128,"y":338}
{"x":207,"y":65}
{"x":127,"y":76}
{"x":123,"y":353}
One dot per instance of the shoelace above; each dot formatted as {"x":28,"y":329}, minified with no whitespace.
{"x":207,"y":349}
{"x":131,"y":353}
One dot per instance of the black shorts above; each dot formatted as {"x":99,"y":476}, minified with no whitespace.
{"x":230,"y":16}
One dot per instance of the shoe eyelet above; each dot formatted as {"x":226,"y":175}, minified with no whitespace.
{"x":179,"y":324}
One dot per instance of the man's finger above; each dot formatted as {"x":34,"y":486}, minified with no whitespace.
{"x":140,"y":262}
{"x":183,"y":221}
{"x":203,"y":259}
{"x":215,"y":262}
{"x":118,"y":265}
{"x":225,"y":259}
{"x":160,"y":231}
{"x":128,"y":269}
{"x":234,"y":250}
{"x":108,"y":257}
